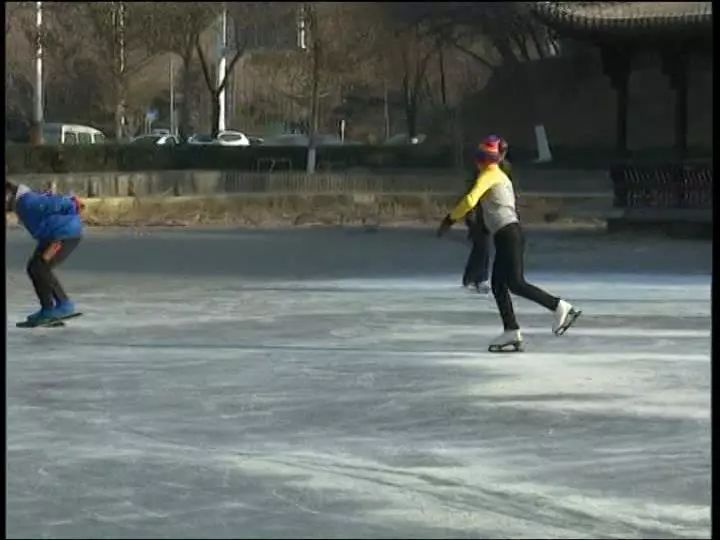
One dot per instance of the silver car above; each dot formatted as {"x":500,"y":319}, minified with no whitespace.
{"x":155,"y":140}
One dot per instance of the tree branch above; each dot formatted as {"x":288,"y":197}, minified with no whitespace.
{"x":203,"y":63}
{"x":422,"y":65}
{"x":473,"y":55}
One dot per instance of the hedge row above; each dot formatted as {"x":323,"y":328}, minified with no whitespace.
{"x":26,"y":159}
{"x":23,"y":159}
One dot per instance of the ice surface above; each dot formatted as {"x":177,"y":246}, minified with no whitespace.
{"x":334,"y":383}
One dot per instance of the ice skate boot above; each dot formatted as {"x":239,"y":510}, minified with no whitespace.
{"x":483,"y":287}
{"x":508,"y":341}
{"x":63,"y":310}
{"x":565,"y":316}
{"x":43,"y":316}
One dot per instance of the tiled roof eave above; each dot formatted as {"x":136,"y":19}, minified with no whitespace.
{"x":575,"y":21}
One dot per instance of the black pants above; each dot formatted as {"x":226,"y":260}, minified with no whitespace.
{"x":478,"y":263}
{"x":508,"y":276}
{"x":47,"y":256}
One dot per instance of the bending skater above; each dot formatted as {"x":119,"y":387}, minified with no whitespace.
{"x":54,"y":221}
{"x":494,"y":191}
{"x":477,"y":267}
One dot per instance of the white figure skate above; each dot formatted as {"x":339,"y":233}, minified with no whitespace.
{"x":508,"y":341}
{"x":565,"y":316}
{"x":483,"y":287}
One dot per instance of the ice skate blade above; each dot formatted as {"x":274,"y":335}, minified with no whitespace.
{"x":569,"y":321}
{"x":50,"y":323}
{"x":507,"y":348}
{"x":54,"y":323}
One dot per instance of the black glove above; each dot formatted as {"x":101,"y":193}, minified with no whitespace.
{"x":445,"y":226}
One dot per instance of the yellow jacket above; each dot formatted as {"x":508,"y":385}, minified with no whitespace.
{"x":486,"y":179}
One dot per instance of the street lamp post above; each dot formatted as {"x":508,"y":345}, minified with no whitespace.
{"x":38,"y":109}
{"x":222,"y":68}
{"x":172,"y":99}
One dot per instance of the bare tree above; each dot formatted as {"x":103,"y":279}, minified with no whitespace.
{"x":492,"y":33}
{"x":13,"y":13}
{"x":117,"y":30}
{"x":339,"y":40}
{"x":406,"y":52}
{"x":18,"y":71}
{"x":242,"y":19}
{"x":176,"y":27}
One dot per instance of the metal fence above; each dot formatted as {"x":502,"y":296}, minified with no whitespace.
{"x":667,"y":186}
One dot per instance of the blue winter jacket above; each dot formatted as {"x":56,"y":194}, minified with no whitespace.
{"x":48,"y":217}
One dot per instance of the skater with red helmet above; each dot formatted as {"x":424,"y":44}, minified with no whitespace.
{"x":494,"y":191}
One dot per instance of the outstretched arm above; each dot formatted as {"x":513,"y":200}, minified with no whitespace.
{"x":472,"y":197}
{"x":483,"y":183}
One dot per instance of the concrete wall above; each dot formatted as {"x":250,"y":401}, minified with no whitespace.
{"x":187,"y":183}
{"x":241,"y":198}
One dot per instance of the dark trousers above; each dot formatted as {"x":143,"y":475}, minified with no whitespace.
{"x":48,"y":255}
{"x":508,"y":276}
{"x":478,"y":264}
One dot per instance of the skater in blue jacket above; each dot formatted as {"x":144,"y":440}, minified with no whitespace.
{"x":54,"y":222}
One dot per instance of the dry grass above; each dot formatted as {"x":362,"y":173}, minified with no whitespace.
{"x":292,"y":210}
{"x":257,"y":210}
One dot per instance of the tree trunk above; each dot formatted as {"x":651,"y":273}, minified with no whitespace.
{"x":184,"y":128}
{"x":119,"y":18}
{"x":411,"y":116}
{"x":314,"y":105}
{"x":410,"y":108}
{"x":315,"y":91}
{"x":457,"y":136}
{"x":386,"y":111}
{"x":119,"y":112}
{"x":443,"y":85}
{"x":315,"y":51}
{"x":215,"y":126}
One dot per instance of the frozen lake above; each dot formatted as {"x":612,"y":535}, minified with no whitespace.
{"x":335,"y":383}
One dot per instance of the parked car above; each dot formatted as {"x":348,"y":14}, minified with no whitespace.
{"x":71,"y":134}
{"x":155,"y":140}
{"x":232,"y":138}
{"x":299,"y":139}
{"x":201,"y":139}
{"x":287,"y":139}
{"x":402,"y":138}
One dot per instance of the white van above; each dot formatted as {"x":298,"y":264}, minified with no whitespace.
{"x":71,"y":134}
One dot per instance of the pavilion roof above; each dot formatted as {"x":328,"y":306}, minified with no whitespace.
{"x":634,"y":20}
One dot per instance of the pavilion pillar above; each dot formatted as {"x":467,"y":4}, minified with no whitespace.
{"x":616,"y":65}
{"x":675,"y":66}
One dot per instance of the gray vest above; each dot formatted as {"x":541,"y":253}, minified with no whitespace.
{"x":498,"y":206}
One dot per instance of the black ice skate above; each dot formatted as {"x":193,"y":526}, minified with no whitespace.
{"x":508,"y":341}
{"x":565,"y":316}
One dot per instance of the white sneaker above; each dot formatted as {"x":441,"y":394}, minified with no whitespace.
{"x":508,"y":341}
{"x":565,"y":315}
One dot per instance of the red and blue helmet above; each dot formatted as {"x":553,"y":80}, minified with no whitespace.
{"x":492,"y":149}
